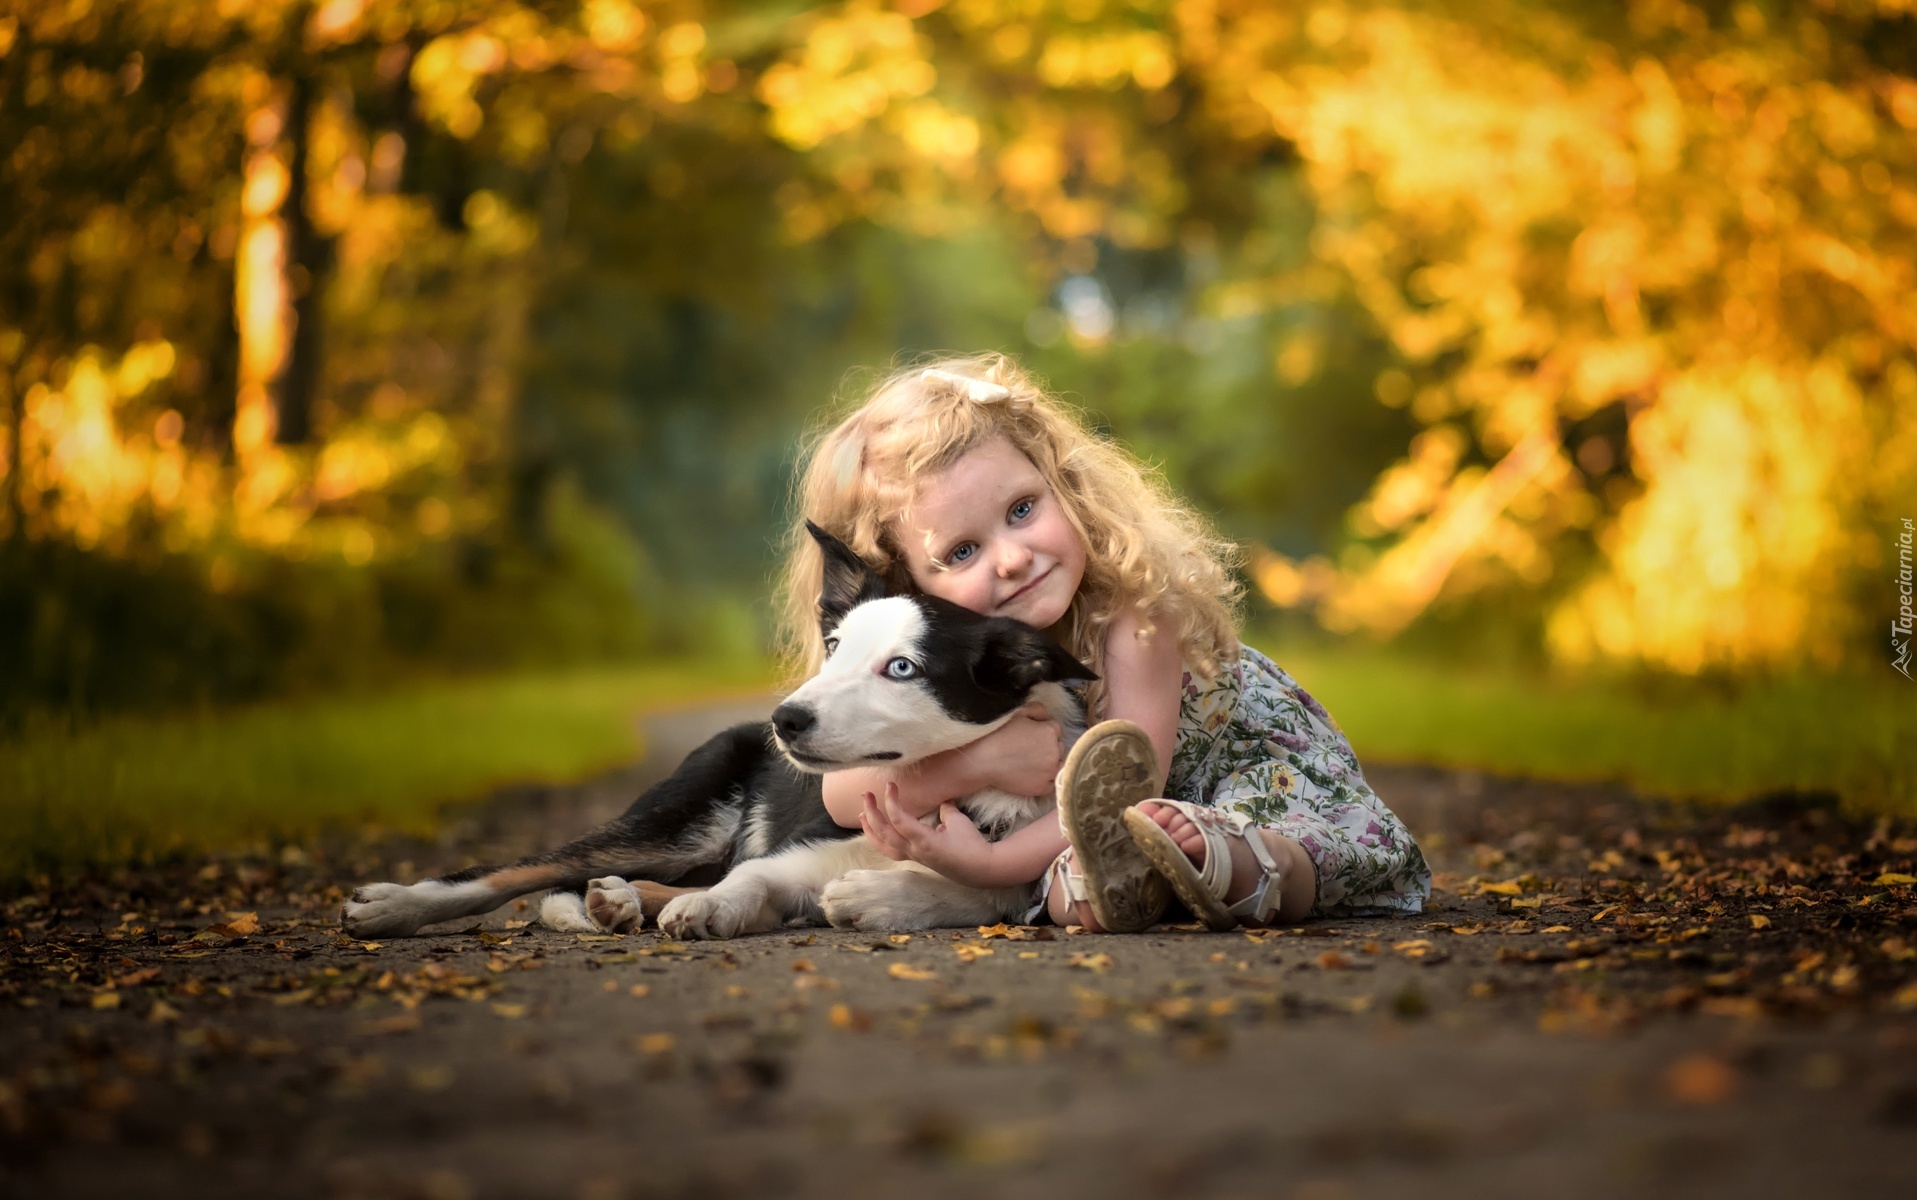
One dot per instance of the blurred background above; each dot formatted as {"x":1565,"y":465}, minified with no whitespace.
{"x":399,"y":395}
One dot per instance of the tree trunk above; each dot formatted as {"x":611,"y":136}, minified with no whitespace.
{"x":309,"y":263}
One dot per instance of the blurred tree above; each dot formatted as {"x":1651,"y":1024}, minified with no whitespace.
{"x":1597,"y":318}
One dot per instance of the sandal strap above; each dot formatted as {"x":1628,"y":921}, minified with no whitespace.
{"x":1218,"y":826}
{"x":1073,"y":882}
{"x":1263,"y":900}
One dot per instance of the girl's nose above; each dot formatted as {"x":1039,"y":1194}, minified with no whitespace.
{"x":1012,"y":559}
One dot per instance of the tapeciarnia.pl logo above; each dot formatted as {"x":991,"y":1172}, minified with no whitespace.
{"x":1900,"y":629}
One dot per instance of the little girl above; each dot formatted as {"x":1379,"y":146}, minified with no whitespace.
{"x":966,"y":481}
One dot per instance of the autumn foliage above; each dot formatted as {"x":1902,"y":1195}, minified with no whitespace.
{"x":271,"y":283}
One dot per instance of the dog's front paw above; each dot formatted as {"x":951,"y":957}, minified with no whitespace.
{"x":613,"y":905}
{"x":701,"y":915}
{"x":872,"y":900}
{"x":383,"y":910}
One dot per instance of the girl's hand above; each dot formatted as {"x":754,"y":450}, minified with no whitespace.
{"x":1021,"y":756}
{"x":954,"y":847}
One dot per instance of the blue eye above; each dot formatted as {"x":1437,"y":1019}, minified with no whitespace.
{"x":962,"y":553}
{"x":901,"y":668}
{"x":831,"y":644}
{"x":1023,"y":509}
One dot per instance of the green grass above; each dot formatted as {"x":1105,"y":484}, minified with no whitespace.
{"x":1854,"y":737}
{"x":134,"y":788}
{"x":128,"y":789}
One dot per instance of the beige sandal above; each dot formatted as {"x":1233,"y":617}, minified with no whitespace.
{"x":1111,"y":768}
{"x":1203,"y":889}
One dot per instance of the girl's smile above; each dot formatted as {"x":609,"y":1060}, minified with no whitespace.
{"x":987,"y":533}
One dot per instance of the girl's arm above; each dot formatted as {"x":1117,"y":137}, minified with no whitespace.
{"x":956,"y":849}
{"x":1021,"y":757}
{"x":1144,"y":682}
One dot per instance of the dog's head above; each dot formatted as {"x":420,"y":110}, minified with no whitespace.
{"x":907,"y":677}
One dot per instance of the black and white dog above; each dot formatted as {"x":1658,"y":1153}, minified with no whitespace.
{"x":906,"y":677}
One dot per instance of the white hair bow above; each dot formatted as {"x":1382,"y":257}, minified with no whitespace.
{"x":979,"y":391}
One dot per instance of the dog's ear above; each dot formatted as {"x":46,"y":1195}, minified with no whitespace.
{"x":1016,"y":658}
{"x":848,"y":581}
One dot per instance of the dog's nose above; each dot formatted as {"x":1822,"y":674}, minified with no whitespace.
{"x":792,"y":720}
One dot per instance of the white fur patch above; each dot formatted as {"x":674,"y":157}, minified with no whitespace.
{"x":566,"y":912}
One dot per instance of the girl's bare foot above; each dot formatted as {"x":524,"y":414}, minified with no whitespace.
{"x":1300,"y":880}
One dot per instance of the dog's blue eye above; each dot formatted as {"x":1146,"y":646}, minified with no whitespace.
{"x":831,"y":644}
{"x":1023,"y":509}
{"x":901,"y":668}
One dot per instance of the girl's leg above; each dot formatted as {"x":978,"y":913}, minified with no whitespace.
{"x":1300,"y":883}
{"x":1060,"y":908}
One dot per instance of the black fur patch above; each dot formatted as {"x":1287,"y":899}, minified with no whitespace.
{"x":980,"y":668}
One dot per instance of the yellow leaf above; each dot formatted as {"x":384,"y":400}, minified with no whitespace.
{"x":1100,"y":962}
{"x":106,"y":999}
{"x":639,"y":991}
{"x":238,"y":924}
{"x":971,"y":951}
{"x":1508,"y":888}
{"x":655,"y":1043}
{"x":908,"y":971}
{"x":1760,"y":921}
{"x":1894,"y":879}
{"x":844,"y":1016}
{"x":512,"y":1012}
{"x":899,"y":939}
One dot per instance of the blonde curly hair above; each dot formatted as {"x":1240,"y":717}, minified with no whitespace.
{"x":1147,"y":551}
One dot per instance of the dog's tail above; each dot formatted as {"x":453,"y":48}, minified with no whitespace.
{"x":686,"y":821}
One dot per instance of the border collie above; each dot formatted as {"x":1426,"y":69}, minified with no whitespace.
{"x":906,"y":677}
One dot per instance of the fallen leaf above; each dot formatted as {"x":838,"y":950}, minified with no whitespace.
{"x":1019,"y":933}
{"x":803,"y":965}
{"x":856,"y":1020}
{"x":1760,"y":921}
{"x":1510,"y":887}
{"x":969,"y":952}
{"x":655,"y":1043}
{"x":106,"y":1000}
{"x":1700,"y":1079}
{"x":1333,"y":960}
{"x":1100,"y":962}
{"x":398,"y":1023}
{"x":512,"y":1012}
{"x":242,"y":923}
{"x":639,"y":991}
{"x":909,"y":972}
{"x":1555,"y":929}
{"x":899,"y":939}
{"x":1894,"y":879}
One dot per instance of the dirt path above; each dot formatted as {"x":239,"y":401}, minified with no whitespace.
{"x":1591,"y":1008}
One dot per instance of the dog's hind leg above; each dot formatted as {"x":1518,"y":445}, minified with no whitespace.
{"x":688,"y":820}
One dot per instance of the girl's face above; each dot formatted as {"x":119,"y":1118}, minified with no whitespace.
{"x":987,"y":534}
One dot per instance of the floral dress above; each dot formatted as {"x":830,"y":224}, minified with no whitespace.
{"x":1252,"y":740}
